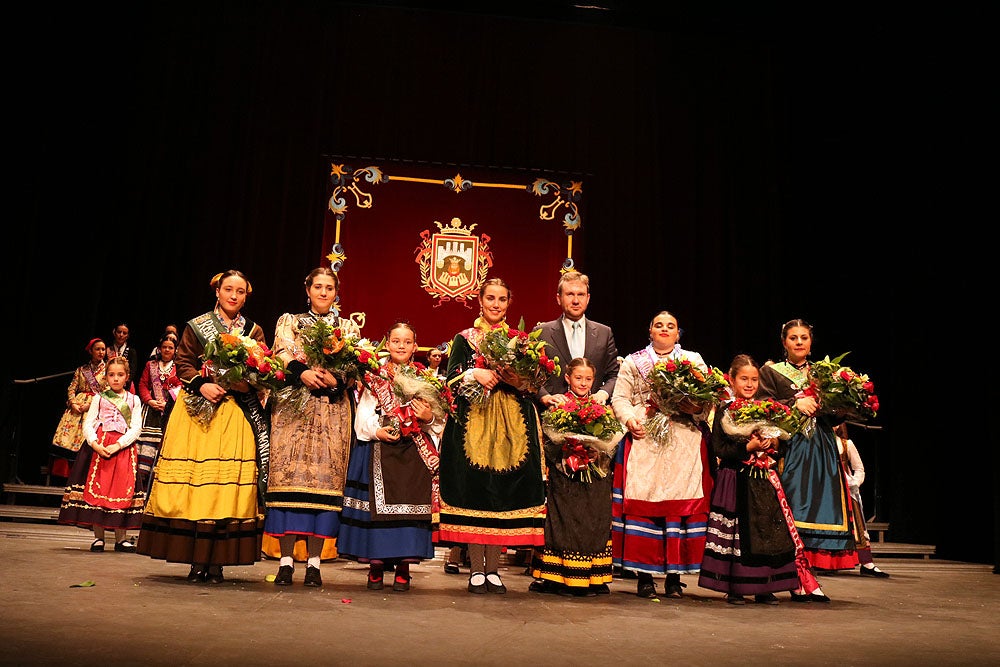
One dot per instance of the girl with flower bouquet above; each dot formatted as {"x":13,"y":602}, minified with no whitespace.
{"x":203,"y":507}
{"x":581,"y":437}
{"x":810,"y":467}
{"x":492,"y":468}
{"x":665,"y":477}
{"x":752,"y":546}
{"x":310,"y":443}
{"x":392,"y":478}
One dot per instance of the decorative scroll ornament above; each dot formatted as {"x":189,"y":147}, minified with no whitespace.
{"x":454,"y":262}
{"x":566,"y":196}
{"x":346,"y":181}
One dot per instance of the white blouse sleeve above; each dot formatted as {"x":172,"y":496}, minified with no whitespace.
{"x":366,"y":418}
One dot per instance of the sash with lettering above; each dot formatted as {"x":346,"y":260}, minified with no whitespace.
{"x":206,"y":327}
{"x":404,"y":474}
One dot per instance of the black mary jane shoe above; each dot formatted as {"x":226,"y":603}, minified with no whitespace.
{"x":284,"y":576}
{"x":765,"y":598}
{"x":732,"y":598}
{"x":197,"y":574}
{"x":818,"y":597}
{"x":873,"y":572}
{"x":214,"y":574}
{"x":801,"y":597}
{"x":125,"y":546}
{"x":97,"y":546}
{"x":451,"y":568}
{"x":478,"y":589}
{"x":497,"y":586}
{"x":313,"y":577}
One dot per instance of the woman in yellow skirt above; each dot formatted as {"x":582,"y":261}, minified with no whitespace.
{"x":203,"y":505}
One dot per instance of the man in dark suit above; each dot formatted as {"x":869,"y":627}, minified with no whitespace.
{"x":573,"y":335}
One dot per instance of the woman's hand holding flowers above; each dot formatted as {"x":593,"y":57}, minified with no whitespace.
{"x":807,"y":405}
{"x":485,"y":377}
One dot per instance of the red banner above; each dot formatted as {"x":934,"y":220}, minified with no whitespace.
{"x":415,"y":242}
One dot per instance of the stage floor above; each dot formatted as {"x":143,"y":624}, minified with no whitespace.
{"x":141,"y":611}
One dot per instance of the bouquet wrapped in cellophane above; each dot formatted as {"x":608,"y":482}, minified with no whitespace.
{"x":411,"y":382}
{"x":229,"y":360}
{"x":347,"y":356}
{"x":503,"y":348}
{"x":674,"y":383}
{"x":581,"y":435}
{"x":770,"y":419}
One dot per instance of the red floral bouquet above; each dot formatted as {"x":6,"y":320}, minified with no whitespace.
{"x":842,"y":391}
{"x":770,"y":419}
{"x":581,"y":437}
{"x":676,"y":382}
{"x":229,"y":360}
{"x":503,"y":348}
{"x":346,"y":355}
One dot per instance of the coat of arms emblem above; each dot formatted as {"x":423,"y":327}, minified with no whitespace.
{"x":453,"y":262}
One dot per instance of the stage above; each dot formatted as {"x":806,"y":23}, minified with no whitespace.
{"x":141,"y":611}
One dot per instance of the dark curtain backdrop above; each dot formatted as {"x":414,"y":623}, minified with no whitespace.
{"x":743,"y":169}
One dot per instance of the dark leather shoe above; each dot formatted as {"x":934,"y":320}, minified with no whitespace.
{"x":477,"y":588}
{"x":674,"y":590}
{"x":735,"y":599}
{"x":646,"y":589}
{"x":97,"y":546}
{"x":801,"y":597}
{"x":818,"y":597}
{"x":375,"y":584}
{"x":197,"y":574}
{"x":494,"y":584}
{"x":401,"y":584}
{"x":284,"y":576}
{"x":543,"y":586}
{"x":451,"y":568}
{"x":601,"y":589}
{"x":313,"y":577}
{"x":125,"y":546}
{"x":765,"y":598}
{"x":214,"y":575}
{"x":873,"y":572}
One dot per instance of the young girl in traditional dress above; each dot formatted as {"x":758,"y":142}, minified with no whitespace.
{"x":101,"y":492}
{"x":752,"y":546}
{"x":159,"y":387}
{"x":388,"y":508}
{"x":576,"y":559}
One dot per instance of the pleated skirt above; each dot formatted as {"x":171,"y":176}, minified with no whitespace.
{"x":203,"y":506}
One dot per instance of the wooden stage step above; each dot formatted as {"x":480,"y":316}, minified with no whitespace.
{"x":31,"y":512}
